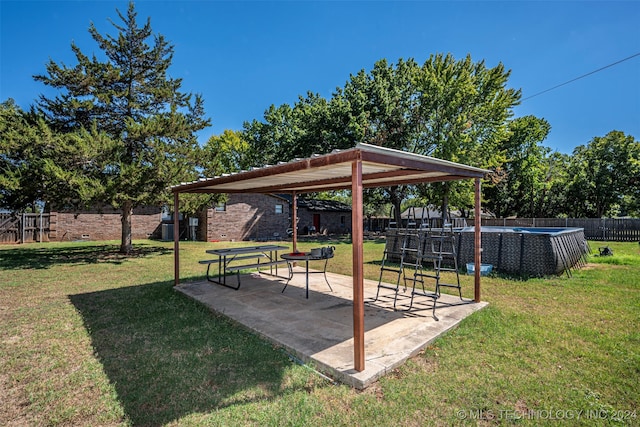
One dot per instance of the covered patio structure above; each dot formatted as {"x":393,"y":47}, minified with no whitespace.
{"x":364,"y":166}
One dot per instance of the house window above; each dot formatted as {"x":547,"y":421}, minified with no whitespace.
{"x":342,"y":219}
{"x":279,"y":209}
{"x":221,"y":207}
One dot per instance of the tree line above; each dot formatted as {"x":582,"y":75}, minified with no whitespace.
{"x":121,"y":131}
{"x":461,"y":111}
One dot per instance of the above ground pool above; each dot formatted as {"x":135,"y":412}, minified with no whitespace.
{"x":527,"y":251}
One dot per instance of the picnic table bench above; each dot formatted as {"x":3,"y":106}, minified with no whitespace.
{"x":228,"y":261}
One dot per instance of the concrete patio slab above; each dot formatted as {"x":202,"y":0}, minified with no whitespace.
{"x":319,"y":330}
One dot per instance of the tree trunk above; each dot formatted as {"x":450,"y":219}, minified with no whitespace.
{"x":395,"y":197}
{"x":127,"y":212}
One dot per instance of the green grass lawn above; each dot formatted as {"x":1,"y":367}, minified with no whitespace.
{"x":89,"y":337}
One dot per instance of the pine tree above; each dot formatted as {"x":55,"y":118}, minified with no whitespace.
{"x":129,"y":99}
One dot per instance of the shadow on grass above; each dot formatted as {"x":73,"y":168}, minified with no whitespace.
{"x":26,"y":257}
{"x":168,"y":357}
{"x":376,"y":239}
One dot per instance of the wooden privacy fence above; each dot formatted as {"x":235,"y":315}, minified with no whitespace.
{"x":24,"y":228}
{"x":611,"y":229}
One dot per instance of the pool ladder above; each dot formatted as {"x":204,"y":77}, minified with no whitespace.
{"x":418,"y":248}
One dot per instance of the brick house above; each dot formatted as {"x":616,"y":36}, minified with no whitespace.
{"x":242,"y":217}
{"x":268,"y":217}
{"x":246,"y":217}
{"x":324,"y":217}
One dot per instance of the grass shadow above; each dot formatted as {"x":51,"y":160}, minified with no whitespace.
{"x":42,"y":258}
{"x":376,"y":239}
{"x":169,"y":357}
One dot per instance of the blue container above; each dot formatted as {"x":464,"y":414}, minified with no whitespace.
{"x":484,"y":268}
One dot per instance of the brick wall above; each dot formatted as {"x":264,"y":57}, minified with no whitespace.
{"x":248,"y":217}
{"x":104,"y":224}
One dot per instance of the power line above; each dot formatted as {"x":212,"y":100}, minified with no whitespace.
{"x":581,"y":77}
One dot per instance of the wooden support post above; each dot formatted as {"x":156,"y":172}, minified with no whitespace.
{"x":176,"y":239}
{"x":477,"y":258}
{"x":358,"y":259}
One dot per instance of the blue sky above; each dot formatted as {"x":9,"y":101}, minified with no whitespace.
{"x":244,"y":56}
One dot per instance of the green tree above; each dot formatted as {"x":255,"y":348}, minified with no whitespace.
{"x":557,"y":176}
{"x":455,"y":110}
{"x":382,"y":111}
{"x":524,"y":183}
{"x":392,"y":111}
{"x":269,"y":138}
{"x":225,"y":153}
{"x":19,"y":146}
{"x":222,"y":154}
{"x":605,"y":176}
{"x":40,"y":165}
{"x":464,"y":107}
{"x":130,"y":100}
{"x":312,"y":125}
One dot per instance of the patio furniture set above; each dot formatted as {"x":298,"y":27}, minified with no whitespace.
{"x":260,"y":258}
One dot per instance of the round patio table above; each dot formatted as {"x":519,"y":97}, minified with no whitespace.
{"x":306,"y":257}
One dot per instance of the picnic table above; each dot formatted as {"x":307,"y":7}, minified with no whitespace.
{"x":252,"y":257}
